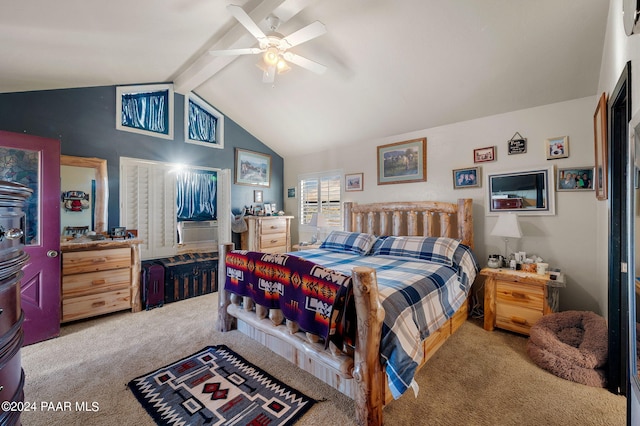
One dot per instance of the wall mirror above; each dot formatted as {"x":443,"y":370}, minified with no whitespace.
{"x":527,"y":192}
{"x":84,"y":186}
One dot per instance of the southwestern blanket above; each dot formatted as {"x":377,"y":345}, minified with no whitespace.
{"x":305,"y":292}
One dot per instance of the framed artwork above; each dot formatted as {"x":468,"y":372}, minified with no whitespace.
{"x":517,"y":144}
{"x":257,"y":195}
{"x":354,"y":182}
{"x":558,"y":147}
{"x":203,"y":124}
{"x":267,"y":209}
{"x":466,"y":178}
{"x":575,"y":178}
{"x":146,"y":109}
{"x":291,"y":193}
{"x":482,"y":155}
{"x":600,"y":141}
{"x":252,"y":168}
{"x":403,"y":162}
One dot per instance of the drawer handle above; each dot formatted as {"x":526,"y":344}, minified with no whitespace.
{"x":98,"y":282}
{"x":99,"y":260}
{"x":274,"y":227}
{"x":274,"y":241}
{"x":98,"y":304}
{"x":519,"y":295}
{"x":519,"y":320}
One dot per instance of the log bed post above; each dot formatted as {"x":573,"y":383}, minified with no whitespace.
{"x":367,"y":372}
{"x":465,"y":221}
{"x":225,"y":321}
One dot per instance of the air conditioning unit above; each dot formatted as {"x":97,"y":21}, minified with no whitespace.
{"x":197,"y":232}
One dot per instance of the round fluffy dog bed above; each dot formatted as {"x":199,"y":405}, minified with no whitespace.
{"x":571,"y":345}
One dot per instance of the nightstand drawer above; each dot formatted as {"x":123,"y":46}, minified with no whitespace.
{"x":273,"y":240}
{"x":95,"y":282}
{"x":95,"y":260}
{"x":95,"y":304}
{"x":274,"y":226}
{"x":519,"y":295}
{"x":516,"y":319}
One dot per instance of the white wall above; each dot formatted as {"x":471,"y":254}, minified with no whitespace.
{"x":566,"y":240}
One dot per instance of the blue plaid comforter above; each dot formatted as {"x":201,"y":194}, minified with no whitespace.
{"x":418,"y":297}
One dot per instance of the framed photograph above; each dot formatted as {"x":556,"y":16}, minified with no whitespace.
{"x":145,"y":109}
{"x":257,"y":195}
{"x":482,"y":155}
{"x":291,"y":193}
{"x":252,"y":168}
{"x":403,"y":162}
{"x":354,"y":182}
{"x":558,"y":147}
{"x":203,"y":124}
{"x":600,"y":139}
{"x":267,"y":209}
{"x":575,"y":178}
{"x":466,"y":178}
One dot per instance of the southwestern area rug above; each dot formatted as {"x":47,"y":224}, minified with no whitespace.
{"x":216,"y":386}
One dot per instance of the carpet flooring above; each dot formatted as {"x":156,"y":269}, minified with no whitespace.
{"x":476,"y":378}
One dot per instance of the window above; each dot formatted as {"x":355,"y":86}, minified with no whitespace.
{"x":320,"y":193}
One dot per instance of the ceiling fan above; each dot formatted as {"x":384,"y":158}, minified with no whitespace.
{"x":275,"y":47}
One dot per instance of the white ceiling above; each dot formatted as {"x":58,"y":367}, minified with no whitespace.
{"x":393,"y":66}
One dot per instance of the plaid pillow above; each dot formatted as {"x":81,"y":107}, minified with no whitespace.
{"x":354,"y":242}
{"x":433,"y":249}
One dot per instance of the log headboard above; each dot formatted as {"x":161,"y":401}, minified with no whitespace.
{"x":424,"y":218}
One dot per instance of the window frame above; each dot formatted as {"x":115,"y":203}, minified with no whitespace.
{"x":335,"y":220}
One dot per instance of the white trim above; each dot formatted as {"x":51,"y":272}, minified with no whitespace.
{"x":192,"y":97}
{"x":121,"y":90}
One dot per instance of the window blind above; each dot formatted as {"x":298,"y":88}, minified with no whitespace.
{"x":321,"y":193}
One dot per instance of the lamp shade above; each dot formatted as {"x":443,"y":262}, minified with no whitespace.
{"x":507,"y":226}
{"x":318,"y":220}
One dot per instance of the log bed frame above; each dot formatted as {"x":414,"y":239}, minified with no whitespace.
{"x":357,"y":374}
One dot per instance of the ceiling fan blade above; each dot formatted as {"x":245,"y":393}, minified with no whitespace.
{"x":312,"y":30}
{"x":246,"y":21}
{"x":269,"y":74}
{"x":235,"y":52}
{"x":305,"y":63}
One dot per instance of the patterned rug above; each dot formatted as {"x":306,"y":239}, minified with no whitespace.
{"x":216,"y":386}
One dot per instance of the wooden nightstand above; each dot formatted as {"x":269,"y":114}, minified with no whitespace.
{"x":515,"y":300}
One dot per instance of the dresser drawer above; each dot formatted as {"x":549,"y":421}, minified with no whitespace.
{"x":96,"y":304}
{"x":274,"y":226}
{"x":95,"y":282}
{"x":519,"y":295}
{"x":273,"y":241}
{"x":515,"y":318}
{"x":95,"y":260}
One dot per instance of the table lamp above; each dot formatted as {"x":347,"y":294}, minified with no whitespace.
{"x":507,"y":227}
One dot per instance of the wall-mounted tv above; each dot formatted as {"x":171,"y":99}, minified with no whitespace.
{"x":525,"y":192}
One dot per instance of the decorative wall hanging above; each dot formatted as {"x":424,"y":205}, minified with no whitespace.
{"x":403,"y":162}
{"x":466,"y":178}
{"x":291,"y":193}
{"x":252,"y":168}
{"x":558,"y":147}
{"x":575,"y":178}
{"x":517,"y":144}
{"x":75,"y":201}
{"x":482,"y":155}
{"x":600,"y":139}
{"x":354,"y":182}
{"x":146,"y":109}
{"x":203,"y":124}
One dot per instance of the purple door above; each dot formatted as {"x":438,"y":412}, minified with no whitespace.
{"x":35,"y":162}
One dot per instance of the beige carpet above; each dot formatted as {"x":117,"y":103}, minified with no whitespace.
{"x":477,"y":377}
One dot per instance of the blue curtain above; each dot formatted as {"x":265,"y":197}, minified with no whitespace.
{"x":196,"y":195}
{"x":202,"y":125}
{"x":146,"y":111}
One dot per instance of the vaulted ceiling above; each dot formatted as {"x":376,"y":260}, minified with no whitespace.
{"x":393,"y":66}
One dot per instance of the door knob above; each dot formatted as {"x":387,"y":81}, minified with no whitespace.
{"x":52,"y":253}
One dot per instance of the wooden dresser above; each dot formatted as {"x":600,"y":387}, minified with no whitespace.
{"x":515,"y":300}
{"x":270,"y":234}
{"x":100,"y":277}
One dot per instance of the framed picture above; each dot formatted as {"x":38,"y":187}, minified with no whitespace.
{"x":482,"y":155}
{"x":354,"y":182}
{"x":203,"y":124}
{"x":252,"y":168}
{"x":403,"y":162}
{"x":145,"y":109}
{"x":600,"y":140}
{"x":466,"y":178}
{"x":267,"y":209}
{"x":257,"y":195}
{"x":291,"y":193}
{"x":575,"y":178}
{"x":558,"y":147}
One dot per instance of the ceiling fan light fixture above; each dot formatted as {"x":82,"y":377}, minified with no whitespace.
{"x":282,"y":66}
{"x":271,"y":56}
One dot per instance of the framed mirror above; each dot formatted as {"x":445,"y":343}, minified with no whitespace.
{"x":84,"y":186}
{"x":527,"y":192}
